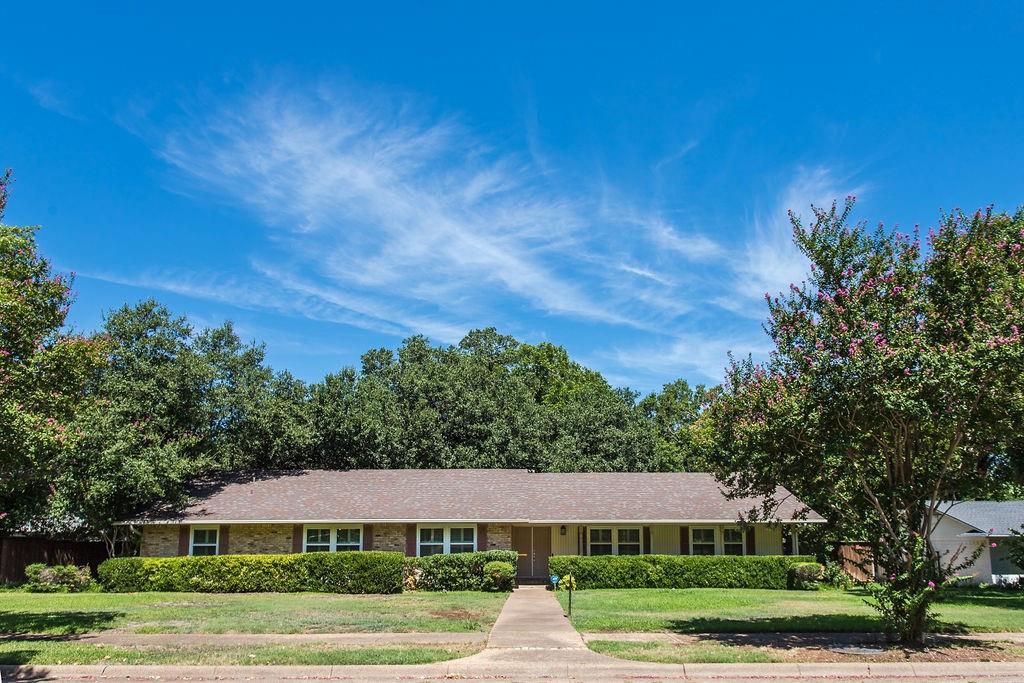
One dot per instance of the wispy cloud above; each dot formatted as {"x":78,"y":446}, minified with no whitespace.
{"x":704,"y":353}
{"x":398,"y":216}
{"x":49,"y":95}
{"x":770,"y":260}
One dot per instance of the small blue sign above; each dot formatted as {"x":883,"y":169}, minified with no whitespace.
{"x":554,"y":579}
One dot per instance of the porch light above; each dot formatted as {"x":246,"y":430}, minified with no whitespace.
{"x":561,"y":530}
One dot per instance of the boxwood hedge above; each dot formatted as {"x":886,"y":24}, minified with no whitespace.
{"x":676,"y":571}
{"x":350,"y":572}
{"x":457,"y":572}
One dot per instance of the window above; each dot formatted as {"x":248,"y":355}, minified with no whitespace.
{"x":702,"y":541}
{"x":463,"y":540}
{"x":204,"y":541}
{"x":601,"y":542}
{"x":732,"y":542}
{"x":629,"y":542}
{"x":318,"y":540}
{"x":348,"y":538}
{"x":443,"y":539}
{"x":431,"y":542}
{"x":326,"y":539}
{"x":615,"y":541}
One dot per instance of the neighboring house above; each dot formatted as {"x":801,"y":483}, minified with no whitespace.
{"x":425,"y":512}
{"x":962,"y":528}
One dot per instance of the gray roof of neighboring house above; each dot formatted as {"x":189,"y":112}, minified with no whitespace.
{"x":465,"y":495}
{"x":986,"y":515}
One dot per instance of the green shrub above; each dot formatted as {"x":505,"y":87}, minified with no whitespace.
{"x":834,"y":576}
{"x":348,"y":572}
{"x":676,"y":571}
{"x":805,"y":576}
{"x":499,"y":576}
{"x":61,"y":578}
{"x":455,"y":572}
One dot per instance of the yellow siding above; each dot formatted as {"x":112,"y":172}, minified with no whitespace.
{"x":564,"y":545}
{"x":664,"y":539}
{"x":768,"y":539}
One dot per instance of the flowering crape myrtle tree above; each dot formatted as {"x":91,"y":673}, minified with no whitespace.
{"x":895,"y":383}
{"x":43,"y":373}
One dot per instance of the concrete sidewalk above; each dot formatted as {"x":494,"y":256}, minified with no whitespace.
{"x":533,"y":641}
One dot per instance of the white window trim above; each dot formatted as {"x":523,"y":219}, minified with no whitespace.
{"x":743,"y":539}
{"x":334,"y":534}
{"x":714,"y":531}
{"x":203,"y":527}
{"x":447,"y":543}
{"x":615,"y":537}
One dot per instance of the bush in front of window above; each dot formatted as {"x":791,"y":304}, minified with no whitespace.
{"x":677,"y":571}
{"x":499,"y":576}
{"x":351,"y":572}
{"x":456,"y":571}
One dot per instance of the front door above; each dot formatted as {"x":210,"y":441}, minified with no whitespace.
{"x":533,"y":547}
{"x":541,"y":551}
{"x":522,"y":543}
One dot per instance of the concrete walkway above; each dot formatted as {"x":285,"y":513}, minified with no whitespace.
{"x":532,"y":641}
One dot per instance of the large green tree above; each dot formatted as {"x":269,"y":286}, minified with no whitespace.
{"x":43,"y":373}
{"x":895,"y":383}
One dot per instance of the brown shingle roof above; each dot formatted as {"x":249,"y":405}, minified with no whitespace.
{"x":465,"y":496}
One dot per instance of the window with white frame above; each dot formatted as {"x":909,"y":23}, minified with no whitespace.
{"x":601,"y":542}
{"x":462,"y":539}
{"x":204,"y":541}
{"x":431,"y":541}
{"x":628,"y":541}
{"x":702,"y":541}
{"x":321,"y":539}
{"x":615,"y":541}
{"x":318,"y":540}
{"x":348,"y":538}
{"x":446,"y":539}
{"x":732,"y":541}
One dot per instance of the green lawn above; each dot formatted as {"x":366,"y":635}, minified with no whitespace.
{"x":713,"y":610}
{"x":64,"y":652}
{"x":669,"y":653}
{"x":22,"y":613}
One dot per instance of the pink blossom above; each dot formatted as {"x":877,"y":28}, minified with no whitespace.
{"x":995,"y":545}
{"x":931,"y":584}
{"x":906,"y":371}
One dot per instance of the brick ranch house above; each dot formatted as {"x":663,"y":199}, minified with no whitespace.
{"x":424,"y":512}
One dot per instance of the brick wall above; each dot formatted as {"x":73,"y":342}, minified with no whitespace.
{"x":257,"y":539}
{"x":159,"y":540}
{"x":389,"y":537}
{"x":499,"y":536}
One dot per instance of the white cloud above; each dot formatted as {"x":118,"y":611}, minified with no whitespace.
{"x":770,"y":261}
{"x":702,"y":352}
{"x":49,"y":95}
{"x":378,"y":209}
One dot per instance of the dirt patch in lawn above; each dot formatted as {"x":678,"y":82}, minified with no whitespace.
{"x":455,"y":613}
{"x":751,"y":648}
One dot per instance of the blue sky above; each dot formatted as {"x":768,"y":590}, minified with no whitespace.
{"x":610,"y":177}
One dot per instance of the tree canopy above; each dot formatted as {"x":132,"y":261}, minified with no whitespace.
{"x":895,"y":383}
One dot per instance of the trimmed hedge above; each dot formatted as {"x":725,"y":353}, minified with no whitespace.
{"x":805,"y":576}
{"x":677,"y":571}
{"x":457,"y":572}
{"x":349,"y":572}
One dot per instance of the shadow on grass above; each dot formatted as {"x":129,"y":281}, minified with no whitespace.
{"x":58,"y":623}
{"x":807,"y":623}
{"x":978,"y":597}
{"x":15,"y":657}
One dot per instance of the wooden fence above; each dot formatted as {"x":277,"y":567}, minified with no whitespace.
{"x":16,"y":552}
{"x":856,"y":560}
